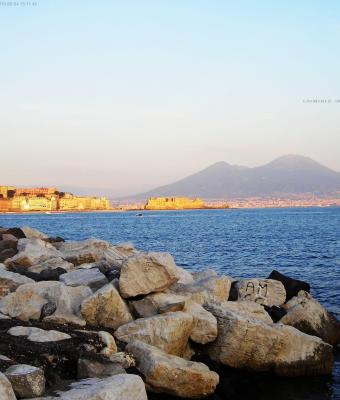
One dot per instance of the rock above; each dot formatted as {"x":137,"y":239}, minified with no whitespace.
{"x":263,"y":291}
{"x":4,"y":358}
{"x":38,"y":335}
{"x":24,"y":306}
{"x":31,"y":233}
{"x":86,"y":251}
{"x":169,"y":332}
{"x":185,"y":276}
{"x":52,"y":264}
{"x":48,"y":309}
{"x":55,"y":239}
{"x":165,"y":373}
{"x":110,"y":344}
{"x":47,"y":274}
{"x":112,"y":275}
{"x":117,"y":387}
{"x":147,"y":273}
{"x":26,"y":380}
{"x":213,"y":288}
{"x":88,"y":277}
{"x":157,"y":303}
{"x":126,"y":249}
{"x":126,"y":360}
{"x":10,"y":281}
{"x":62,"y":318}
{"x":250,"y":308}
{"x":204,"y":328}
{"x":244,"y":342}
{"x":171,"y":307}
{"x":189,"y":352}
{"x":8,"y":237}
{"x":116,"y":255}
{"x":275,"y":312}
{"x":308,"y":315}
{"x":97,"y":369}
{"x":106,"y":308}
{"x":204,"y":274}
{"x":292,"y":286}
{"x":102,"y":265}
{"x":6,"y":254}
{"x":17,"y":232}
{"x":28,"y":300}
{"x":8,"y":244}
{"x":6,"y":390}
{"x":31,"y":252}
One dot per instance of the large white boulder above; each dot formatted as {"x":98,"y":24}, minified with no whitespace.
{"x":145,"y":273}
{"x":254,"y":310}
{"x":28,"y":300}
{"x":106,"y":308}
{"x":169,"y":332}
{"x":158,"y":303}
{"x":31,"y":252}
{"x":164,"y":373}
{"x":307,"y":314}
{"x":204,"y":329}
{"x":84,"y":277}
{"x":116,"y":255}
{"x":116,"y":387}
{"x":10,"y":281}
{"x":205,"y":289}
{"x":244,"y":342}
{"x":85,"y":251}
{"x":268,"y":292}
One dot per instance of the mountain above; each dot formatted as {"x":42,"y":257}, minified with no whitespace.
{"x":284,"y":176}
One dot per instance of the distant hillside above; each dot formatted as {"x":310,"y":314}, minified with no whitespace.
{"x":287,"y":175}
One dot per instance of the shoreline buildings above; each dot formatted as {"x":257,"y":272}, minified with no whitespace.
{"x":14,"y":199}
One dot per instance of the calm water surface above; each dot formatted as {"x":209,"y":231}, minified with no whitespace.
{"x":303,"y":243}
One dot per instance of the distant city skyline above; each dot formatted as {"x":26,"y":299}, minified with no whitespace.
{"x":119,"y":98}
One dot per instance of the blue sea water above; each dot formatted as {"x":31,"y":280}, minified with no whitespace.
{"x":303,"y":243}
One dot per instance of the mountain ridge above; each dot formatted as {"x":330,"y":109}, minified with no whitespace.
{"x":286,"y":175}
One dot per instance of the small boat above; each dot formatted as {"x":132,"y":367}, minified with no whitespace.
{"x":139,"y":215}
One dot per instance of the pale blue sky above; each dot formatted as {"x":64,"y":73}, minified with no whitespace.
{"x":128,"y":95}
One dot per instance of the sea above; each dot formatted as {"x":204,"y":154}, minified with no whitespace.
{"x":303,"y":243}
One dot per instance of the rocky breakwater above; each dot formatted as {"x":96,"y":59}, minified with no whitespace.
{"x":93,"y":320}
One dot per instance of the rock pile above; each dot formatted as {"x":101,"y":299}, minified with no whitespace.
{"x":119,"y":323}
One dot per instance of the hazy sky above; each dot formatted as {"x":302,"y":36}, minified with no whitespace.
{"x":128,"y":95}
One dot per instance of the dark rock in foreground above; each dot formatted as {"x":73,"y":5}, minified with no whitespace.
{"x":292,"y":286}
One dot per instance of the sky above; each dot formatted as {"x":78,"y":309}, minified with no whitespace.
{"x":118,"y":97}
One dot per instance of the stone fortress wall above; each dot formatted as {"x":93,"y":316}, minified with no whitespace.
{"x":173,"y":203}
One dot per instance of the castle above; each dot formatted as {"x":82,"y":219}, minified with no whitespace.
{"x":14,"y":199}
{"x":173,"y":203}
